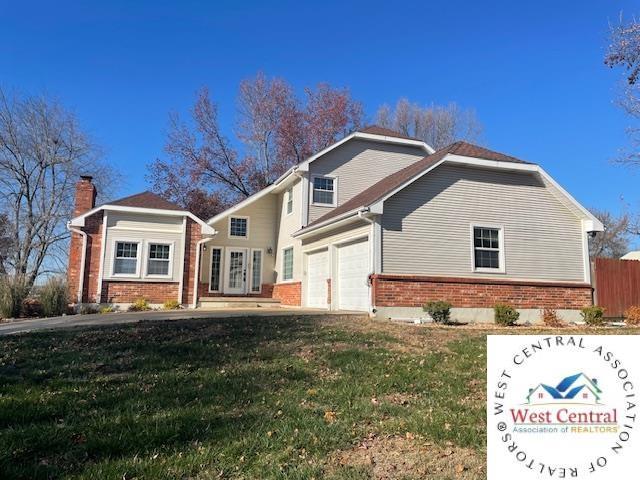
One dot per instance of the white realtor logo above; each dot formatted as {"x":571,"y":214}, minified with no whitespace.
{"x":562,"y":406}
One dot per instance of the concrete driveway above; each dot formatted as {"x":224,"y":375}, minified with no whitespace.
{"x":68,"y":321}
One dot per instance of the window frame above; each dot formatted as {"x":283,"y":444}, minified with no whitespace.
{"x":284,"y":278}
{"x":220,"y":273}
{"x":259,"y":290}
{"x":114,"y":255}
{"x":237,"y":237}
{"x":288,"y":201}
{"x":501,"y":248}
{"x":147,"y":252}
{"x":335,"y":191}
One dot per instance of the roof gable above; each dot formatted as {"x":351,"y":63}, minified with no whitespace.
{"x":386,"y":132}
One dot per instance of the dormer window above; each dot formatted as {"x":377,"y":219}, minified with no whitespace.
{"x":324,"y":191}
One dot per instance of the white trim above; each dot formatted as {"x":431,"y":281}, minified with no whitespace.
{"x":82,"y":260}
{"x":334,"y":191}
{"x":196,"y":275}
{"x":103,"y":250}
{"x":288,"y":193}
{"x":501,"y":248}
{"x":234,"y":237}
{"x":304,"y":211}
{"x":251,"y":290}
{"x":114,"y":257}
{"x":147,"y":252}
{"x":79,"y":220}
{"x":287,"y":247}
{"x":329,"y":224}
{"x":256,"y":196}
{"x":181,"y":258}
{"x":220,"y":272}
{"x":585,"y":253}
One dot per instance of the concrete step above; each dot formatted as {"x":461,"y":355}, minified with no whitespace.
{"x":213,"y":303}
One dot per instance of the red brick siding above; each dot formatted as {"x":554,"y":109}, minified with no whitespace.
{"x":127,"y":292}
{"x":93,"y":229}
{"x":413,"y":291}
{"x":193,"y":234}
{"x":288,"y":293}
{"x":328,"y":291}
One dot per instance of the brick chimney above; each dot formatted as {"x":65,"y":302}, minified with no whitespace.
{"x":85,"y":195}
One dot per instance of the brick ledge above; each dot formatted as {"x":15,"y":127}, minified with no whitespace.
{"x":476,"y":281}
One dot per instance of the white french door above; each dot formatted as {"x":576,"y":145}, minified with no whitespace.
{"x":235,"y":271}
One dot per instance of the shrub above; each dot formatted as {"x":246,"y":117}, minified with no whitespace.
{"x":171,"y":305}
{"x":140,"y":305}
{"x":88,"y":309}
{"x":54,"y":297}
{"x":551,"y":318}
{"x":439,"y":310}
{"x":505,"y":315}
{"x":107,"y":309}
{"x":593,"y":315}
{"x":632,"y":315}
{"x":13,"y":291}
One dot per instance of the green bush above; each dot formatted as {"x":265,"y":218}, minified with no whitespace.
{"x":171,"y":305}
{"x":505,"y":315}
{"x":593,"y":315}
{"x":107,"y":309}
{"x":54,"y":297}
{"x":439,"y":310}
{"x":140,"y":305}
{"x":13,"y":292}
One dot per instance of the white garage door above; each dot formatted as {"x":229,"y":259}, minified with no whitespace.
{"x":353,"y":272}
{"x":317,"y":274}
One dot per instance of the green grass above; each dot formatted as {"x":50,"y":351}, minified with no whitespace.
{"x":240,"y":398}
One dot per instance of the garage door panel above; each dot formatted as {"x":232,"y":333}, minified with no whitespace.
{"x":317,"y":274}
{"x":353,"y":273}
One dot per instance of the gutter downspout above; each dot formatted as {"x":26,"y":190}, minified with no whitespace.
{"x":373,"y":248}
{"x":196,"y":276}
{"x":82,"y":259}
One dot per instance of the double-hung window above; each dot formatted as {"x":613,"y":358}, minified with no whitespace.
{"x":287,"y":263}
{"x":324,"y":191}
{"x":289,"y":197}
{"x":159,"y":261}
{"x":488,"y":253}
{"x":125,"y":260}
{"x":238,"y":227}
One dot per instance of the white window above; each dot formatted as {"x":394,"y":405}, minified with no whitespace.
{"x":289,"y":201}
{"x":488,"y":253}
{"x":159,"y":259}
{"x":238,"y":227}
{"x":216,"y":269}
{"x":287,"y":263}
{"x":256,"y":271}
{"x":324,"y":191}
{"x":125,"y":259}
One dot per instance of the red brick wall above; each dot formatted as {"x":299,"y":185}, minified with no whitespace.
{"x":193,"y":235}
{"x":414,"y":291}
{"x":93,"y":229}
{"x":288,"y":293}
{"x":127,"y":292}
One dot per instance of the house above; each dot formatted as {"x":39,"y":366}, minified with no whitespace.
{"x":634,"y":255}
{"x":587,"y":391}
{"x":542,"y":394}
{"x":377,"y":222}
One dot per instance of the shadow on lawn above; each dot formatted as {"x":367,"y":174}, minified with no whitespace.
{"x":71,"y":397}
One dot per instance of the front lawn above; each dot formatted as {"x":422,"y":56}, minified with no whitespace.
{"x":291,"y":397}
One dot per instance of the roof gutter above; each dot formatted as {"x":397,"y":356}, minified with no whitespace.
{"x":331,"y":223}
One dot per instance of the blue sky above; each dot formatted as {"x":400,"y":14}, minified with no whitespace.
{"x":533,"y":71}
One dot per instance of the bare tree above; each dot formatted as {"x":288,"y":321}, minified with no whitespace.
{"x":624,"y":51}
{"x":614,"y":241}
{"x":42,"y":152}
{"x":5,"y":243}
{"x":438,"y":126}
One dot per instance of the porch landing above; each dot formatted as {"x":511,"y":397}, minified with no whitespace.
{"x":214,"y":303}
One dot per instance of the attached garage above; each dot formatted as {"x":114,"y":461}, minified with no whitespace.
{"x":353,"y":276}
{"x":317,"y":275}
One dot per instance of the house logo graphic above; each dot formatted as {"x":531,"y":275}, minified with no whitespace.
{"x":574,"y":389}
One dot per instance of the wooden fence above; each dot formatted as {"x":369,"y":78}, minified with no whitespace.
{"x":617,"y":285}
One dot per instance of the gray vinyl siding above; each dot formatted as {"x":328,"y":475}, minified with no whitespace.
{"x":357,"y":165}
{"x":426,"y":226}
{"x":143,"y":229}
